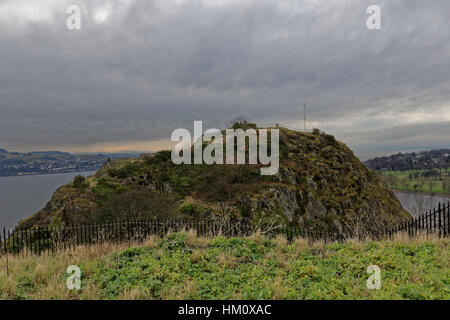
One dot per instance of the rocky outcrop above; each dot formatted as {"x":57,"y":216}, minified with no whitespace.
{"x":320,"y":184}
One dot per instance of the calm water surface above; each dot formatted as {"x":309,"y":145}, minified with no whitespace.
{"x":417,"y":203}
{"x":22,"y":196}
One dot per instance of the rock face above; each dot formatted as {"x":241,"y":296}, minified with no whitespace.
{"x":320,"y":184}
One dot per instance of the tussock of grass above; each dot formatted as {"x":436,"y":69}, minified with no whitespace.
{"x":182,"y":266}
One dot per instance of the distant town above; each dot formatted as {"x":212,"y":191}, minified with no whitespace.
{"x":51,"y":162}
{"x":434,"y":159}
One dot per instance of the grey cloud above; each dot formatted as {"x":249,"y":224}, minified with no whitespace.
{"x":406,"y":138}
{"x":157,"y":65}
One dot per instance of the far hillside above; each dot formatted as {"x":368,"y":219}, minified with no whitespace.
{"x":426,"y":171}
{"x":424,"y":160}
{"x":50,"y":162}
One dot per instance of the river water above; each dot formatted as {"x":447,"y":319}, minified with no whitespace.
{"x":21,"y":196}
{"x":418,"y":203}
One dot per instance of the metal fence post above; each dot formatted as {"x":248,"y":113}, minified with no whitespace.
{"x":439,"y":217}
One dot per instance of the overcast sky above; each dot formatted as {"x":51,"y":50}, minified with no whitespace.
{"x":137,"y":70}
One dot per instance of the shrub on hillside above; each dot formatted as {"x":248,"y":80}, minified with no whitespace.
{"x":135,"y":205}
{"x":79,"y":182}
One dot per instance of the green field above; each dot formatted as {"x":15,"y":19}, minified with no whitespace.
{"x":418,"y":181}
{"x":182,"y":266}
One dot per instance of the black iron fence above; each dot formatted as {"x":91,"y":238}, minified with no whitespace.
{"x":435,"y":221}
{"x":47,"y":239}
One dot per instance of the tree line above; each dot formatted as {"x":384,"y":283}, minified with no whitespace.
{"x":428,"y":180}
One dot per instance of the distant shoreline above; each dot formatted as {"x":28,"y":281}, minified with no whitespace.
{"x":47,"y":173}
{"x":423,"y":193}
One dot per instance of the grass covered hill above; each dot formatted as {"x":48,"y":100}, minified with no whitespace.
{"x":320,"y":184}
{"x":183,"y":266}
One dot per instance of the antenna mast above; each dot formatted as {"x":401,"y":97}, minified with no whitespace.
{"x":304,"y":117}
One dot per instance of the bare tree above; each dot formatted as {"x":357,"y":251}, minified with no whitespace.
{"x":363,"y":223}
{"x":431,"y":183}
{"x":224,"y":216}
{"x":267,"y":226}
{"x":446,"y":184}
{"x":421,"y":181}
{"x":406,"y":182}
{"x":421,"y":205}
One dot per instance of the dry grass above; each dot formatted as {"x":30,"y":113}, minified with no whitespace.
{"x":43,"y":277}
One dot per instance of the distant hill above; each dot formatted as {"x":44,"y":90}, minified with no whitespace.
{"x":320,"y":184}
{"x":50,"y":153}
{"x":413,"y":160}
{"x":45,"y":162}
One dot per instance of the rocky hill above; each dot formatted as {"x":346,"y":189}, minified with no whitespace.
{"x":320,"y":184}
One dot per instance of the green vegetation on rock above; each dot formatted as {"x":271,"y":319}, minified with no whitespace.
{"x":320,"y":184}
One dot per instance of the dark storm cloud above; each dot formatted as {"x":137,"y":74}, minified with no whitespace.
{"x":153,"y":66}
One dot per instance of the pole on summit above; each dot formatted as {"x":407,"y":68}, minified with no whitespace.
{"x":304,"y":117}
